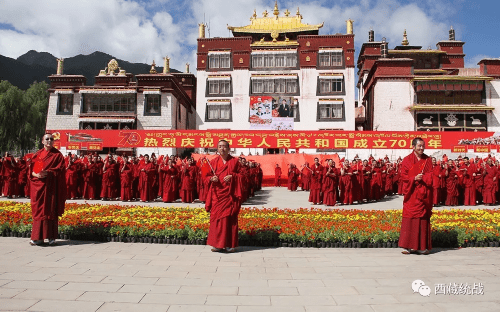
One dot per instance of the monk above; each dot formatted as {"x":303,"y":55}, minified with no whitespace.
{"x":490,"y":180}
{"x":416,"y":174}
{"x":451,"y":184}
{"x":71,"y":178}
{"x":277,"y":176}
{"x":469,"y":175}
{"x":316,"y":180}
{"x":346,"y":180}
{"x":223,"y":200}
{"x":48,"y":192}
{"x":436,"y":182}
{"x":305,"y":177}
{"x":126,"y":173}
{"x":147,"y":170}
{"x":330,"y":184}
{"x":293,"y":177}
{"x":169,"y":182}
{"x":109,"y":176}
{"x":90,"y":175}
{"x":9,"y":176}
{"x":188,"y":181}
{"x":22,"y":178}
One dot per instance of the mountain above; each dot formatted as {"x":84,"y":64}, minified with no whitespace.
{"x":37,"y":66}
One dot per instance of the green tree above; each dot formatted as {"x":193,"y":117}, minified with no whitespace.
{"x":36,"y":98}
{"x":11,"y":98}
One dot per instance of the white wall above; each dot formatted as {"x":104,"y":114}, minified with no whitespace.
{"x":392,"y":99}
{"x":493,"y":99}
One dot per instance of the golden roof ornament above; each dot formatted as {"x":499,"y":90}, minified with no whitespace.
{"x":298,"y":13}
{"x":265,"y":13}
{"x":153,"y":70}
{"x":287,"y":13}
{"x":254,"y":16}
{"x":276,"y":12}
{"x":405,"y":41}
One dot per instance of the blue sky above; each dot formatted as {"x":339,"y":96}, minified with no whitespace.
{"x":140,"y":31}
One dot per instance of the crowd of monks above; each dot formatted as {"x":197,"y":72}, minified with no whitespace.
{"x":125,"y":178}
{"x":455,"y":182}
{"x":169,"y":179}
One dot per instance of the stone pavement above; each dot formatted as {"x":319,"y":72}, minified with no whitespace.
{"x":86,"y":276}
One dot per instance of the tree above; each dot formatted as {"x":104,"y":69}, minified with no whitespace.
{"x":22,"y":115}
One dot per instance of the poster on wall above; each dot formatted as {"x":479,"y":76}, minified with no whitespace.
{"x":272,"y":112}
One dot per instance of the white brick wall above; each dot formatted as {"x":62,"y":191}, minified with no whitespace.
{"x":60,"y":122}
{"x":392,"y":99}
{"x":493,"y":99}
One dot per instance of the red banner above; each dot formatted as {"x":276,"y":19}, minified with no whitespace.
{"x":94,"y":146}
{"x":269,"y":139}
{"x":482,"y":149}
{"x":459,"y":149}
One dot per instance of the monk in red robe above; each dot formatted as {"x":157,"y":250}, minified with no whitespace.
{"x":316,"y":180}
{"x":330,"y":184}
{"x":90,"y":175}
{"x":416,"y":174}
{"x":293,"y":177}
{"x":126,"y":173}
{"x":376,"y":182}
{"x":22,"y":178}
{"x":451,"y":184}
{"x":188,"y":181}
{"x":147,"y":170}
{"x":346,"y":180}
{"x":490,"y":181}
{"x":169,"y":182}
{"x":109,"y":177}
{"x":277,"y":176}
{"x":48,"y":191}
{"x":305,"y":177}
{"x":469,"y":175}
{"x":9,"y":176}
{"x":71,"y":178}
{"x":223,"y":200}
{"x":437,"y":174}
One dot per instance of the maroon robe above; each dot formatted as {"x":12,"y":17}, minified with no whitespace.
{"x":169,"y":183}
{"x":436,"y":184}
{"x":188,"y":183}
{"x":126,"y":182}
{"x":146,"y":182}
{"x":90,"y":174}
{"x":376,"y":184}
{"x":417,"y":203}
{"x":277,"y":176}
{"x":9,"y":178}
{"x":489,"y":186}
{"x":22,"y":190}
{"x":347,"y":186}
{"x":451,"y":187}
{"x":224,"y":203}
{"x":71,"y":181}
{"x":330,"y":185}
{"x":109,"y":179}
{"x":293,"y":179}
{"x":316,"y":180}
{"x":470,"y":185}
{"x":48,"y":195}
{"x":305,"y":179}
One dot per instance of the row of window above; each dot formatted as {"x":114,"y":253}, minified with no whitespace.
{"x":325,"y":112}
{"x":286,"y":86}
{"x":122,"y":103}
{"x":222,"y":61}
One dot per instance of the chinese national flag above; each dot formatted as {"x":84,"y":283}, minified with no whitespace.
{"x":205,"y":167}
{"x":423,"y":166}
{"x":38,"y":166}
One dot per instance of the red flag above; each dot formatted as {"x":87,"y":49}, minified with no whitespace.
{"x":205,"y":167}
{"x":38,"y":166}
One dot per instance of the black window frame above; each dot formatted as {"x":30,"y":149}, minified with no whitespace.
{"x":212,"y":69}
{"x":207,"y":89}
{"x":329,"y":119}
{"x":319,"y":66}
{"x":318,"y":85}
{"x":228,"y":103}
{"x":147,"y":97}
{"x":274,"y":93}
{"x":105,"y":100}
{"x":264,"y":68}
{"x":62,"y":98}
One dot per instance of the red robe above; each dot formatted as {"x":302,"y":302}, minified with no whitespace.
{"x":146,"y":182}
{"x":376,"y":184}
{"x":293,"y":179}
{"x":224,"y":203}
{"x":330,"y":185}
{"x":48,"y":195}
{"x":109,"y":179}
{"x":489,"y":187}
{"x":126,"y":182}
{"x":188,"y":183}
{"x":169,"y":184}
{"x":277,"y":176}
{"x":305,"y":177}
{"x":436,"y":184}
{"x":22,"y":189}
{"x":316,"y":180}
{"x":9,"y":178}
{"x":71,"y":181}
{"x":469,"y":185}
{"x":451,"y":187}
{"x":346,"y":180}
{"x":90,"y":175}
{"x":417,"y":203}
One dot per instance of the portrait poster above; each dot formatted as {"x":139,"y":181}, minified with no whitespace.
{"x":272,"y":112}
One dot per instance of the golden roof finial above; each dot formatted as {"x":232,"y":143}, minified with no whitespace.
{"x":153,"y":70}
{"x":298,"y":13}
{"x":265,"y":13}
{"x":276,"y":12}
{"x":254,"y":16}
{"x":405,"y":39}
{"x":287,"y":12}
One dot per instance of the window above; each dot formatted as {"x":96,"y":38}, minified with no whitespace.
{"x":94,"y":103}
{"x":330,"y":111}
{"x":273,"y":60}
{"x":219,"y":87}
{"x":330,"y":85}
{"x":219,"y":60}
{"x":152,"y":104}
{"x":65,"y":106}
{"x":218,"y":111}
{"x":275,"y":85}
{"x":328,"y":58}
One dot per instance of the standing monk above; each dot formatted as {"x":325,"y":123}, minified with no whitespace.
{"x":469,"y":183}
{"x":9,"y":176}
{"x":223,"y":200}
{"x":277,"y":176}
{"x":305,"y":177}
{"x":330,"y":184}
{"x":316,"y":179}
{"x":48,"y":191}
{"x":416,"y":174}
{"x":147,"y":170}
{"x":490,"y":181}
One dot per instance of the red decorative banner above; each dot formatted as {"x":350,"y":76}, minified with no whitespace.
{"x":482,"y":149}
{"x":94,"y":147}
{"x":78,"y":139}
{"x":459,"y":149}
{"x":74,"y":146}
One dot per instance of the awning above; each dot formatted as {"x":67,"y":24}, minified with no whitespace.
{"x":450,"y":85}
{"x":106,"y":119}
{"x":451,"y":108}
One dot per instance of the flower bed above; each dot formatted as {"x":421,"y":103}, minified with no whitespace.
{"x":260,"y":227}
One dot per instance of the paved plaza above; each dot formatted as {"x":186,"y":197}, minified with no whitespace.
{"x":89,"y":276}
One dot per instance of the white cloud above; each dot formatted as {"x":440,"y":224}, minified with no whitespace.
{"x":471,"y":61}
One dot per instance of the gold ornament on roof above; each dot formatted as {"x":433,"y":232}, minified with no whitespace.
{"x":405,"y":41}
{"x":265,"y":13}
{"x":276,"y":12}
{"x":153,"y":70}
{"x":298,"y":13}
{"x":254,"y":16}
{"x":287,"y":13}
{"x":275,"y":34}
{"x":112,"y":66}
